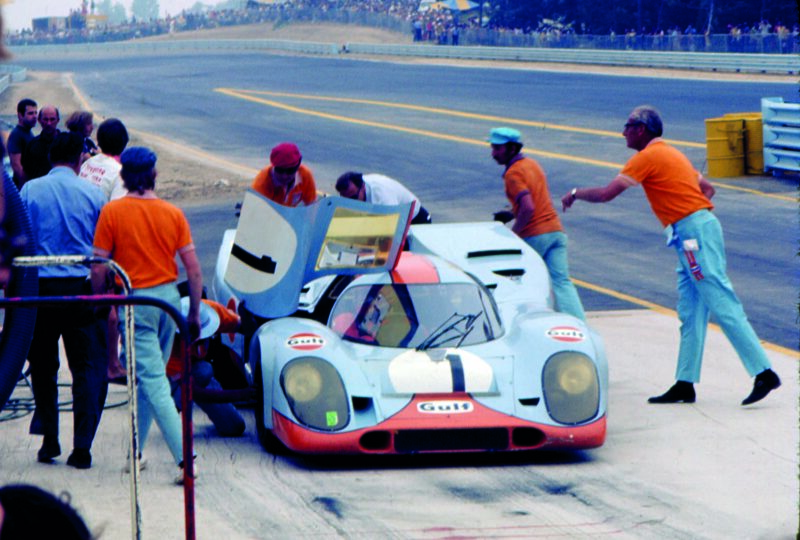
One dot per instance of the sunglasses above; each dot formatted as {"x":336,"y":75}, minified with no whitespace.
{"x":286,"y":170}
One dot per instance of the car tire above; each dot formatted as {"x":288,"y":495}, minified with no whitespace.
{"x":268,"y":440}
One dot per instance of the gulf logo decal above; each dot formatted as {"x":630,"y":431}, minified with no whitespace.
{"x":568,"y":334}
{"x":445,"y":407}
{"x":305,"y":342}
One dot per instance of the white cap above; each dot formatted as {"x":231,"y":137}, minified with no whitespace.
{"x":209,"y":319}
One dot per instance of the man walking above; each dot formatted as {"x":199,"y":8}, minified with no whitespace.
{"x":64,"y":211}
{"x":535,"y":219}
{"x":143,"y":234}
{"x":680,"y":197}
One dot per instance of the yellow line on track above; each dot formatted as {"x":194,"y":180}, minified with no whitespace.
{"x":252,"y":95}
{"x":586,"y":285}
{"x":402,"y":129}
{"x":78,"y":94}
{"x":671,"y":312}
{"x":459,"y":114}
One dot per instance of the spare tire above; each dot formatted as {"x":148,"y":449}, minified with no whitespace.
{"x":19,"y":322}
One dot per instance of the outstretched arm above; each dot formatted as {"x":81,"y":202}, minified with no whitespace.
{"x":596,"y":194}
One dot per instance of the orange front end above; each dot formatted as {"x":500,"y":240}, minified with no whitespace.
{"x":431,"y":423}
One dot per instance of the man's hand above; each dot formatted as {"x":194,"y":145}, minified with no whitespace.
{"x":194,"y":328}
{"x":567,"y":200}
{"x":503,"y":216}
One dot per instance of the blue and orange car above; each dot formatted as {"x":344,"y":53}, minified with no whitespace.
{"x":448,"y":345}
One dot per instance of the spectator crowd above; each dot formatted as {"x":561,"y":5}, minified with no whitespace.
{"x":434,"y":22}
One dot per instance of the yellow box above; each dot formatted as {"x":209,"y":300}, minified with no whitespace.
{"x":753,"y":141}
{"x":725,"y":147}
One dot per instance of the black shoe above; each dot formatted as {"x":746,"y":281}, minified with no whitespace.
{"x":48,"y":451}
{"x":766,"y":382}
{"x":681,"y":391}
{"x":80,"y":458}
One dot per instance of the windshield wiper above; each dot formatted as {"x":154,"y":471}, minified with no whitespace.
{"x":449,"y":331}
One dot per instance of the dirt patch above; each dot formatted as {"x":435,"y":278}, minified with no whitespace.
{"x":321,"y":33}
{"x":181,"y":179}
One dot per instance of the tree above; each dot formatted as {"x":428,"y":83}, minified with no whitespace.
{"x":144,"y":10}
{"x":115,"y":12}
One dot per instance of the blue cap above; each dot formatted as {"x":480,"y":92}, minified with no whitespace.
{"x":137,"y":159}
{"x":503,"y":135}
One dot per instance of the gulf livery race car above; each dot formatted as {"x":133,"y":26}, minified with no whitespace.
{"x":453,"y":346}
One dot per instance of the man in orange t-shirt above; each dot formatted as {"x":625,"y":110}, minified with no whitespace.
{"x":286,"y":181}
{"x":535,"y":219}
{"x":681,"y":200}
{"x":143,"y":234}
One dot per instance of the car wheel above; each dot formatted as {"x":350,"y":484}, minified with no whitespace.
{"x":268,"y":440}
{"x":24,"y":281}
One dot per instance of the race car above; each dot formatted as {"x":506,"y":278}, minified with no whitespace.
{"x":454,"y":347}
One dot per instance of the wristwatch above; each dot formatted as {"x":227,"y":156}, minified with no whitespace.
{"x":574,"y":193}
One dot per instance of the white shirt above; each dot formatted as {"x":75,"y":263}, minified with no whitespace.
{"x":103,"y":171}
{"x":380,"y":189}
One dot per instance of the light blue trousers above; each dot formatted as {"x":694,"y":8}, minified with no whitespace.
{"x":703,"y":289}
{"x":154,"y":332}
{"x":552,"y":247}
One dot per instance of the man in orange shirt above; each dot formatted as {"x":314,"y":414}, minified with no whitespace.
{"x":535,"y":219}
{"x":681,"y":199}
{"x":143,"y":234}
{"x":286,"y":181}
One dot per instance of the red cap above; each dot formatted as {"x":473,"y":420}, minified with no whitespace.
{"x":285,"y":155}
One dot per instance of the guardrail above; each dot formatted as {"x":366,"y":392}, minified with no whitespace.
{"x":731,"y":62}
{"x":724,"y":62}
{"x":781,"y":134}
{"x":11,"y":74}
{"x":137,"y":47}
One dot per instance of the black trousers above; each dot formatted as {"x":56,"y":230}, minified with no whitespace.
{"x":85,"y":343}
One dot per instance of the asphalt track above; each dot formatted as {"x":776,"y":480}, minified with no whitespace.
{"x":426,"y":125}
{"x":709,"y":470}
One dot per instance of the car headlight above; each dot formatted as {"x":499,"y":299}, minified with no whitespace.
{"x":315,"y":393}
{"x":571,"y":387}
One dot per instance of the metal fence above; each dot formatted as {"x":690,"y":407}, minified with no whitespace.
{"x":714,"y":43}
{"x":781,"y":130}
{"x":723,"y":62}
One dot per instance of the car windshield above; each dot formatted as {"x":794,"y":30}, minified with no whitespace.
{"x":421,"y":316}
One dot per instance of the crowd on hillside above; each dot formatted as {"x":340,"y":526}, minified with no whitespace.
{"x":427,"y":21}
